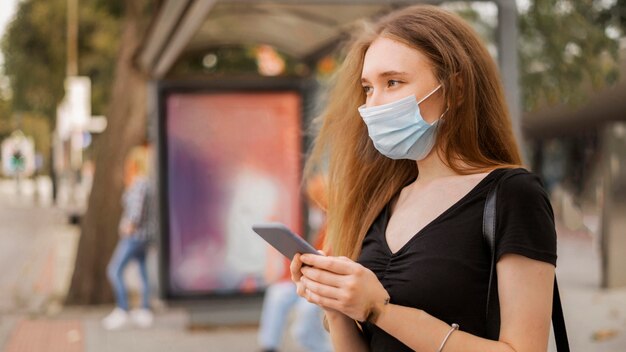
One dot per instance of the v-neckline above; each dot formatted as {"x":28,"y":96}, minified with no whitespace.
{"x":435,"y":220}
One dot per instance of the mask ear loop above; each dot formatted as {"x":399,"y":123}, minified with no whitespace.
{"x":445,"y":111}
{"x":441,"y":119}
{"x":429,"y":94}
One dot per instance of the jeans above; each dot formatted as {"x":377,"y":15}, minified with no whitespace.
{"x":127,"y":249}
{"x":307,"y":329}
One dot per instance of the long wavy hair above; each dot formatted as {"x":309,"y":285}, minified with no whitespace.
{"x":475,"y":137}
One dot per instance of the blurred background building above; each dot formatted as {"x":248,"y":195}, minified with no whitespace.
{"x":579,"y":150}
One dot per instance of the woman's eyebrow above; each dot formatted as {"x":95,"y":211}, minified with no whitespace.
{"x":387,"y":74}
{"x":392,"y":73}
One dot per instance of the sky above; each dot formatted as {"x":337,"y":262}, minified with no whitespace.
{"x":7,"y":11}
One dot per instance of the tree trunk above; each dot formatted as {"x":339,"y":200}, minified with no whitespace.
{"x":126,"y":128}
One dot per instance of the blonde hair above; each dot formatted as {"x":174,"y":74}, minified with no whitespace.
{"x":137,"y":163}
{"x":476,"y":136}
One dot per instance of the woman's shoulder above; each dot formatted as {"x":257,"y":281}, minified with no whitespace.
{"x":521,"y":183}
{"x":518,"y":176}
{"x":525,"y":220}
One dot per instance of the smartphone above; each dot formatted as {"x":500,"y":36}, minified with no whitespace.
{"x":283,"y":239}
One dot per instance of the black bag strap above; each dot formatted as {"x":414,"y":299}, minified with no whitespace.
{"x":493,"y":309}
{"x":489,"y":231}
{"x":558,"y":321}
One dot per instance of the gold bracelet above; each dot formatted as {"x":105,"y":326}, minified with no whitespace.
{"x":453,"y":328}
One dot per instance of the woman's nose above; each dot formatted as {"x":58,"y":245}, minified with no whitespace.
{"x":375,"y":100}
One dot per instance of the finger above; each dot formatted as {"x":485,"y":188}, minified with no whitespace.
{"x":321,"y":289}
{"x":323,"y":276}
{"x":322,"y":301}
{"x":333,"y":264}
{"x":301,"y":289}
{"x":296,"y":268}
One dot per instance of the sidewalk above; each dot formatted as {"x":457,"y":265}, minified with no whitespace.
{"x":595,"y":318}
{"x":78,"y":330}
{"x":38,"y":245}
{"x":37,"y":249}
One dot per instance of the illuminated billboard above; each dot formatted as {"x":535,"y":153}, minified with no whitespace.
{"x":228,"y":160}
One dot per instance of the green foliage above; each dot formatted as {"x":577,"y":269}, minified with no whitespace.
{"x":564,"y":48}
{"x":34,"y":54}
{"x":565,"y":52}
{"x":5,"y":114}
{"x":34,"y":48}
{"x":98,"y":41}
{"x":614,"y":15}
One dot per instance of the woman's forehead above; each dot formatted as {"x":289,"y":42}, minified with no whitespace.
{"x":387,"y":55}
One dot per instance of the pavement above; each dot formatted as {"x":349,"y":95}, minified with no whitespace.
{"x":37,"y":250}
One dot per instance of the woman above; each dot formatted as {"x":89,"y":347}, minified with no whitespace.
{"x":416,"y":133}
{"x":133,"y":244}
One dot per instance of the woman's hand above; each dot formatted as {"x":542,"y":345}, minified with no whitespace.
{"x":339,"y":284}
{"x":128,"y":228}
{"x":296,"y":276}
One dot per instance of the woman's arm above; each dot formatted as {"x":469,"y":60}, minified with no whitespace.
{"x":344,"y":333}
{"x":525,"y":292}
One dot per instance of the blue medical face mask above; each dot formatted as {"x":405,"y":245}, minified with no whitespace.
{"x":398,"y":129}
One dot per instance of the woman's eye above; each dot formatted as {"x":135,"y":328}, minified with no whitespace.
{"x":392,"y":83}
{"x":367,"y":89}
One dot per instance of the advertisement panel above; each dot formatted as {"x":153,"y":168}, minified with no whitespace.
{"x":232,"y":159}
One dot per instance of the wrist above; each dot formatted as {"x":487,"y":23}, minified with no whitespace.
{"x":378,"y":308}
{"x":335,"y":318}
{"x":333,"y":315}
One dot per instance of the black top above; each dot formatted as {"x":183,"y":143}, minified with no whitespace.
{"x":444,"y":268}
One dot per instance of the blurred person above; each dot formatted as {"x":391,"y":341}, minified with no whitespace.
{"x":281,"y":297}
{"x":416,"y":134}
{"x":134,"y":232}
